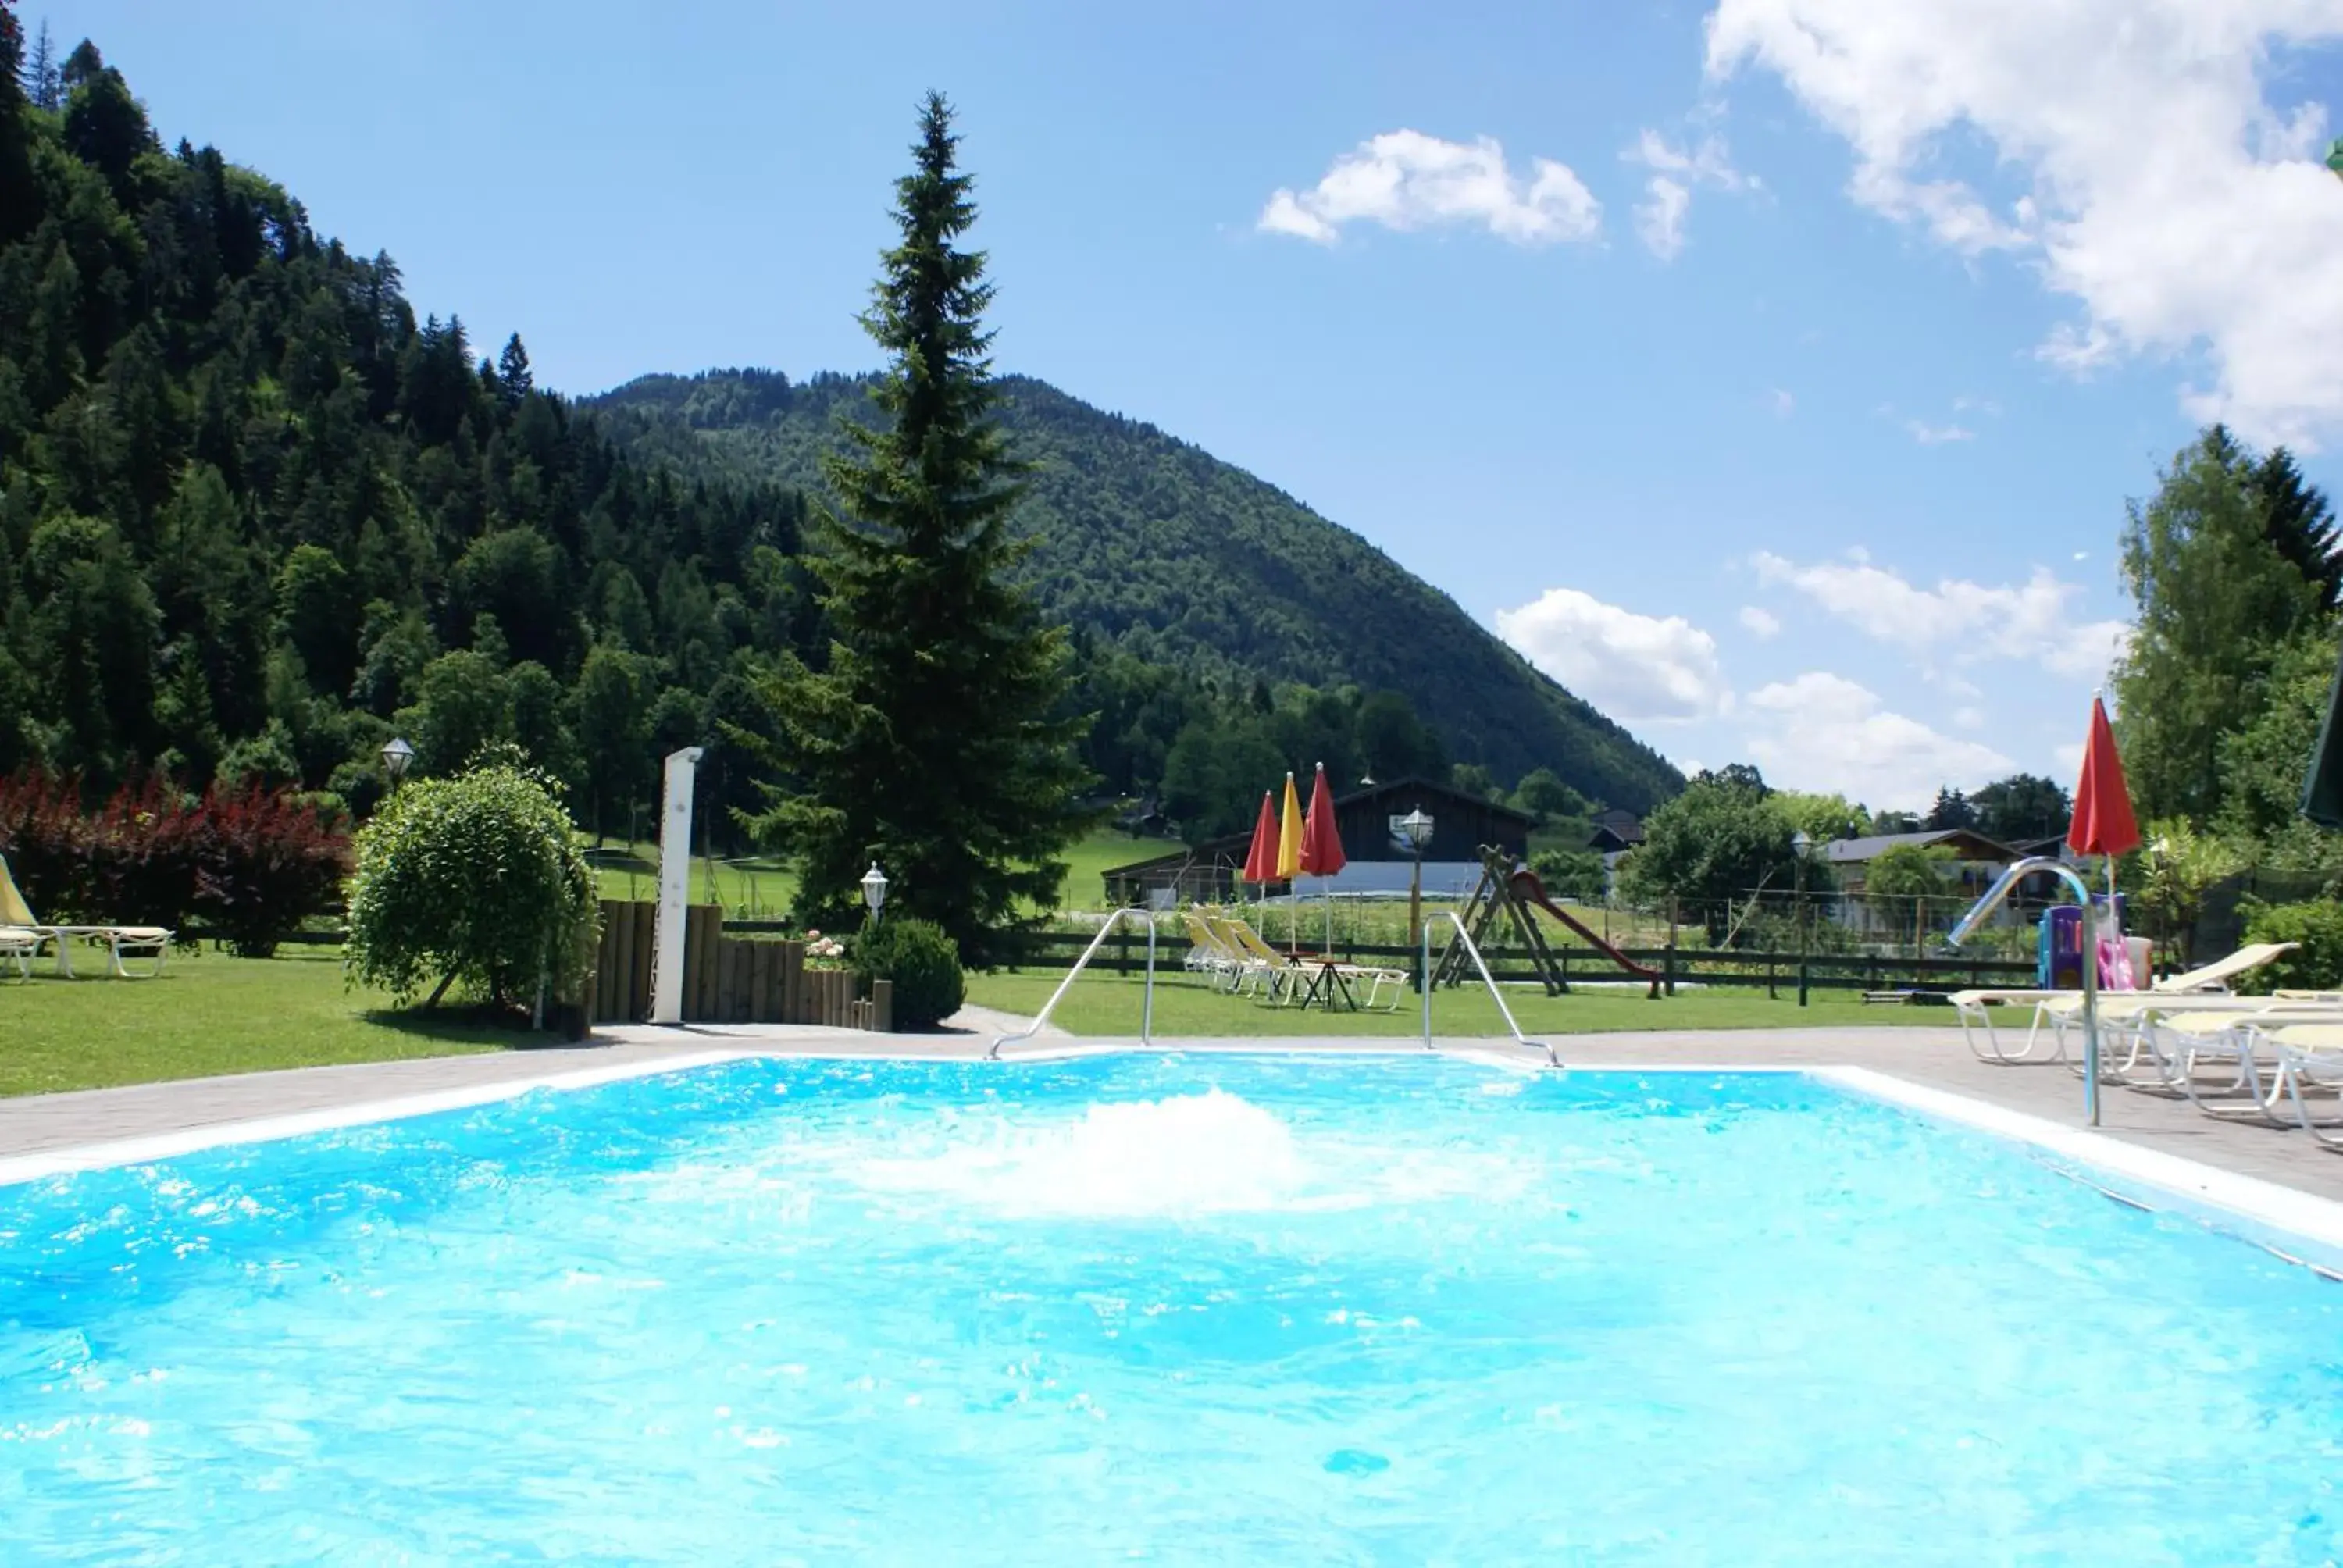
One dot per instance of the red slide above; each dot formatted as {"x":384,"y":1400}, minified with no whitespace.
{"x":1527,"y":888}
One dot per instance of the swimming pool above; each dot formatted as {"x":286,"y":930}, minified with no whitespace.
{"x":1188,"y":1307}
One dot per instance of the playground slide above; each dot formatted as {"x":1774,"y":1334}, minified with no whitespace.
{"x":1527,"y":888}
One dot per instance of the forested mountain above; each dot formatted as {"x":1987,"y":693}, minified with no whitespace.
{"x":256,"y":517}
{"x":1150,"y":546}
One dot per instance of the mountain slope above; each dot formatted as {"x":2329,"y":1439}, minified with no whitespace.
{"x":1182,"y":559}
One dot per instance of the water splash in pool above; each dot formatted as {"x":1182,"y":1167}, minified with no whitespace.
{"x":1181,"y":1156}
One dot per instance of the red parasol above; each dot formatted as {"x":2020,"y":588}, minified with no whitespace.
{"x":2102,"y":823}
{"x":1261,"y":860}
{"x":1322,"y":841}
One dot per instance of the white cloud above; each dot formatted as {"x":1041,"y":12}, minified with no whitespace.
{"x":1970,"y":621}
{"x":1632,"y":666}
{"x":1760,"y":623}
{"x":1667,"y":194}
{"x":1929,"y":435}
{"x":1406,"y":180}
{"x":2163,"y":191}
{"x":1967,"y":405}
{"x":1659,"y":216}
{"x":1781,"y":402}
{"x":1824,"y":731}
{"x":1707,"y":163}
{"x":1969,"y":718}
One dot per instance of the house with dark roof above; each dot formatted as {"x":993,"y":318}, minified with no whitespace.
{"x":1976,"y":861}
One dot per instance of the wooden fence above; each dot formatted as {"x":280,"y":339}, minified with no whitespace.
{"x":1126,"y":954}
{"x":726,"y":979}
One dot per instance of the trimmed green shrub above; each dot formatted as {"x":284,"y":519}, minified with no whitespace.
{"x":2316,"y":965}
{"x":924,"y":964}
{"x":477,"y":879}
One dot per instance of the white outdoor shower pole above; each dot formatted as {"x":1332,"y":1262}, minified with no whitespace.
{"x":674,"y":887}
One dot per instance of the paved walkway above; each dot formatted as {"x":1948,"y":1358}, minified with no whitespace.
{"x":1932,"y":1058}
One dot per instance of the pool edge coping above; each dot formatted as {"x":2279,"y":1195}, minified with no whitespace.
{"x":2299,"y":1227}
{"x":147,"y":1147}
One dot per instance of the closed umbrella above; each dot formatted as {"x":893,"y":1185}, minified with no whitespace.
{"x":2322,"y":788}
{"x":2103,"y":824}
{"x":1289,"y":848}
{"x":1322,"y":845}
{"x":1261,"y":858}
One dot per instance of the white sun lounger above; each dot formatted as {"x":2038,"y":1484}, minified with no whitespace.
{"x":2310,"y":1055}
{"x":2056,"y":1008}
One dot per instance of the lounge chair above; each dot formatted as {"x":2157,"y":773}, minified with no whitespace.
{"x":2310,"y":1054}
{"x":2058,"y":1008}
{"x":2181,"y":1042}
{"x":1211,"y":953}
{"x":120,"y":942}
{"x":1289,"y":970}
{"x":1262,"y":965}
{"x":19,"y":945}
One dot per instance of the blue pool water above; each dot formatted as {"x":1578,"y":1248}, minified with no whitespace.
{"x":1199,"y":1309}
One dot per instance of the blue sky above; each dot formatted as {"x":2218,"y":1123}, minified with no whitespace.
{"x":1774,"y":372}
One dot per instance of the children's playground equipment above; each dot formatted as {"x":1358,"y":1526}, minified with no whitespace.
{"x":1510,"y":891}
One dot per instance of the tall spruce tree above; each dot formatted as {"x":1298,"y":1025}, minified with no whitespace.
{"x":2300,"y":525}
{"x":44,"y":83}
{"x":935,"y":740}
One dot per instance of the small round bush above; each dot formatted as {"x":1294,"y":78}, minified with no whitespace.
{"x":478,"y":880}
{"x":921,"y":961}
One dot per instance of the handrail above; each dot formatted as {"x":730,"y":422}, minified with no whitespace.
{"x":1494,"y":994}
{"x":1147,"y":1005}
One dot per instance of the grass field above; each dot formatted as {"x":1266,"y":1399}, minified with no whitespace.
{"x":761,"y":888}
{"x":756,"y":888}
{"x":210,"y":1013}
{"x":1105,"y":1004}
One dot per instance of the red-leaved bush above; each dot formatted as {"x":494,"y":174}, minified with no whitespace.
{"x":250,"y":866}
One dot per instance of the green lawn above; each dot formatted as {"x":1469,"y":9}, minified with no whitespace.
{"x":1101,"y":853}
{"x":761,"y":888}
{"x":1110,"y":1005}
{"x":210,"y":1013}
{"x":756,"y":888}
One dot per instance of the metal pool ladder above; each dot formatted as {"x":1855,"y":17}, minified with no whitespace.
{"x":1147,"y":1007}
{"x":1553,"y":1059}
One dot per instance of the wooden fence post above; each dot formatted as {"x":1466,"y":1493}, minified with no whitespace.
{"x":638,"y":968}
{"x":882,"y":1006}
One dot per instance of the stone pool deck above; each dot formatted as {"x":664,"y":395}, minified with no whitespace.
{"x":1930,"y":1057}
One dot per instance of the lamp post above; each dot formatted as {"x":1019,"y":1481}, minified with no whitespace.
{"x":1416,"y":828}
{"x":874,"y":889}
{"x":1802,"y":844}
{"x":398,"y":756}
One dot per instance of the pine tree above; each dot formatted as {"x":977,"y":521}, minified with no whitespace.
{"x":931,"y":743}
{"x":44,"y":79}
{"x":513,"y":377}
{"x":2300,"y":525}
{"x":1951,"y":810}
